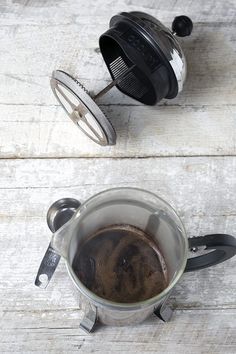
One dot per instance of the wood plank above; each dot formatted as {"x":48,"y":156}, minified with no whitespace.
{"x":29,"y":131}
{"x":203,"y":198}
{"x":192,"y":185}
{"x":56,"y":12}
{"x":200,"y":332}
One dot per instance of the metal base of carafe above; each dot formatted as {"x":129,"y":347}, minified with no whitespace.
{"x":90,"y":320}
{"x":164,"y":312}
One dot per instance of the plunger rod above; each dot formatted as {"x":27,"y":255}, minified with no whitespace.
{"x":113,"y":83}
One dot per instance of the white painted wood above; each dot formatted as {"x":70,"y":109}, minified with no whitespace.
{"x":37,"y":37}
{"x":194,"y":123}
{"x":31,"y":131}
{"x":189,"y":332}
{"x":57,"y":12}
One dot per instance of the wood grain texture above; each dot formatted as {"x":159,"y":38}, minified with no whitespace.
{"x":57,"y":12}
{"x":37,"y":37}
{"x":141,"y":131}
{"x":192,"y":331}
{"x":33,"y":125}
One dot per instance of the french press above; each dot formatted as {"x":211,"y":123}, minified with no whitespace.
{"x":145,"y":62}
{"x":73,"y":223}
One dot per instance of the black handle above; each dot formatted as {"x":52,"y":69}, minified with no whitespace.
{"x":224,"y":247}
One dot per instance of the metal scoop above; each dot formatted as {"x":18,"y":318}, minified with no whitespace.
{"x":58,"y":214}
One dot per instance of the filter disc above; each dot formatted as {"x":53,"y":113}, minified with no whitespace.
{"x":82,"y":109}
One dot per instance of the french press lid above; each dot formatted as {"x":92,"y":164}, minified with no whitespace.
{"x":145,"y":62}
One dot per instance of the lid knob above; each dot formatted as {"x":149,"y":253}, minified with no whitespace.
{"x":182,"y":26}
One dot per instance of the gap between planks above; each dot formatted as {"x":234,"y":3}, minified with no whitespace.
{"x":114,"y":157}
{"x":190,"y":308}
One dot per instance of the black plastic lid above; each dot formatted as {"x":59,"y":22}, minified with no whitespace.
{"x":131,"y":41}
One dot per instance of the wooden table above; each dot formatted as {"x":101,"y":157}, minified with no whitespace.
{"x":183,"y":150}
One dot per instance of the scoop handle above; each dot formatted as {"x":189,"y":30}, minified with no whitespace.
{"x":47,"y":267}
{"x":58,"y":215}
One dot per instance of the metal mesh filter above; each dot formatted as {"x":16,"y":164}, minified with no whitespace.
{"x":118,"y":66}
{"x":130,"y":84}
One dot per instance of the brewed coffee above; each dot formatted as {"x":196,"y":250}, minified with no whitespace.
{"x":121,"y":263}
